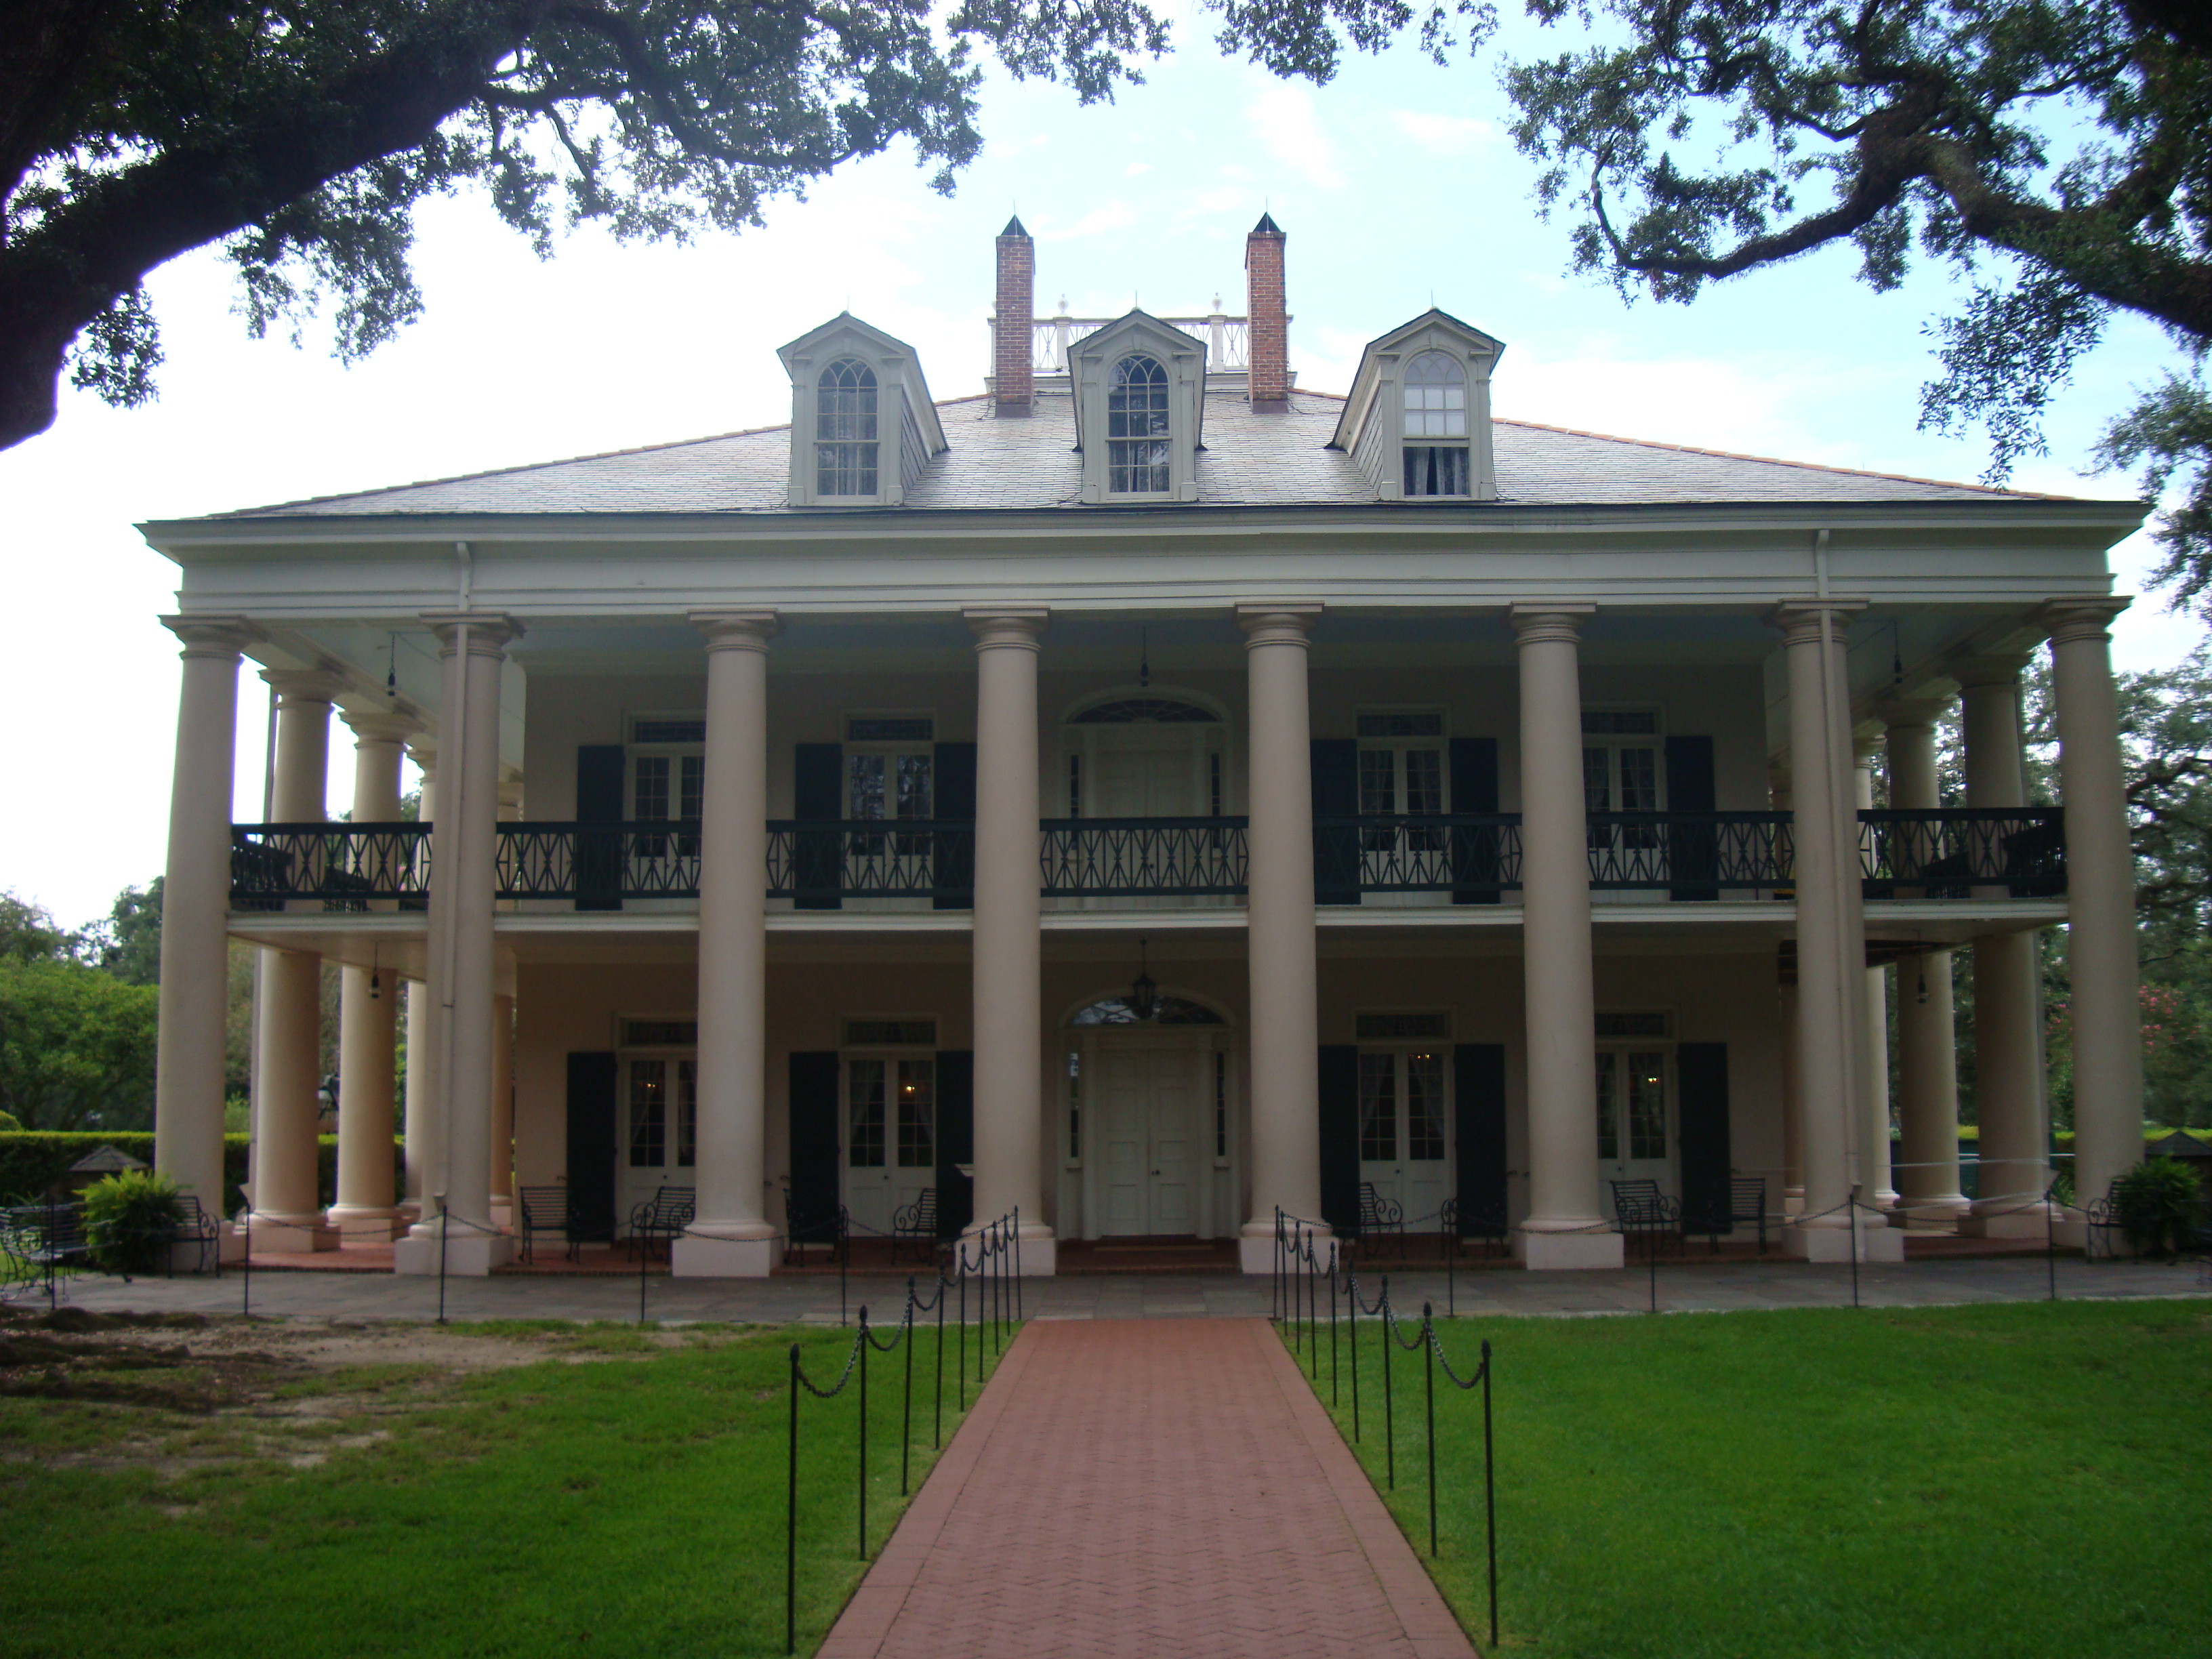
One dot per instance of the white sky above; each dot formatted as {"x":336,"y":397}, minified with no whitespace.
{"x":1396,"y":185}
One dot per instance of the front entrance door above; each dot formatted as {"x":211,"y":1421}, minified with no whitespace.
{"x":1402,"y":1114}
{"x":659,"y":1120}
{"x":1635,"y":1139}
{"x":889,"y":1155}
{"x":1149,"y":1166}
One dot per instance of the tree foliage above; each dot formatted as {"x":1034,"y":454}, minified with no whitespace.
{"x":77,"y":1047}
{"x":2057,"y":156}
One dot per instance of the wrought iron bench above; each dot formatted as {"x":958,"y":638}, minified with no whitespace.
{"x":2107,"y":1225}
{"x":548,"y":1210}
{"x":1747,"y":1203}
{"x":916,"y":1221}
{"x":42,"y":1239}
{"x":1643,"y":1211}
{"x":1378,"y":1214}
{"x":195,"y":1231}
{"x":1487,"y":1223}
{"x":664,"y":1216}
{"x":803,"y":1226}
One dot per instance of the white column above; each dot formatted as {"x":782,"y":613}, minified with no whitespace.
{"x":368,"y":1013}
{"x":2101,"y":883}
{"x":1927,"y":1045}
{"x":1009,"y":1040}
{"x":463,"y":967}
{"x":1874,"y":1058}
{"x":1284,"y":1143}
{"x":2007,"y":1058}
{"x":1831,"y":945}
{"x":1793,"y":1098}
{"x":421,"y":1137}
{"x":189,"y":1065}
{"x":502,"y":1054}
{"x":288,"y":1036}
{"x":731,"y":1236}
{"x":1565,"y":1225}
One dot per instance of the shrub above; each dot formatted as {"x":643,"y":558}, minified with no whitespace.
{"x":2156,"y":1204}
{"x":130,"y":1220}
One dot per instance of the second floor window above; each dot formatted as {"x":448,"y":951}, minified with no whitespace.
{"x":1137,"y":428}
{"x":1435,"y":427}
{"x":845,"y":430}
{"x":887,"y":766}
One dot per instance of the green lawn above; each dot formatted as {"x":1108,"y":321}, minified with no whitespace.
{"x":2002,"y":1481}
{"x":624,"y":1495}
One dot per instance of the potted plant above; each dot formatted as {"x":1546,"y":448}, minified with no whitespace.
{"x":130,"y":1220}
{"x":2156,"y":1204}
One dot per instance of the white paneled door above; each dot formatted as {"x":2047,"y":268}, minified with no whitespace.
{"x":1150,"y":1159}
{"x":1403,"y":1112}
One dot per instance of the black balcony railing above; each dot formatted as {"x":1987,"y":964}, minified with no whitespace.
{"x":1955,"y":852}
{"x":1964,"y":852}
{"x":1143,"y":857}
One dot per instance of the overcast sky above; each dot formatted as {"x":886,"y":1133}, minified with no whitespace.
{"x":1396,"y":186}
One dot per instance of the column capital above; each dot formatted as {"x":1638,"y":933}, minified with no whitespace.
{"x":1540,"y":625}
{"x":1802,"y":622}
{"x":423,"y":751}
{"x":379,"y":726}
{"x":1006,"y":626}
{"x":489,"y":631}
{"x":736,"y":630}
{"x":2069,"y":621}
{"x":1987,"y":668}
{"x":1282,"y":622}
{"x":295,"y":686}
{"x":1903,"y":712}
{"x":1867,"y":741}
{"x":212,"y":635}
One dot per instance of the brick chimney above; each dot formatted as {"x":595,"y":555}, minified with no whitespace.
{"x":1269,"y":351}
{"x":1013,"y":319}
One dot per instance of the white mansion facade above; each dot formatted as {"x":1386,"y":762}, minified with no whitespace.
{"x":1149,"y":796}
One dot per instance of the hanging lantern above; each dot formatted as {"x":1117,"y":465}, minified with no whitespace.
{"x":1144,"y":991}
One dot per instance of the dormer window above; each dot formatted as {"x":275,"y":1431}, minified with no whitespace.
{"x":1436,"y":408}
{"x":1137,"y":428}
{"x":845,"y":430}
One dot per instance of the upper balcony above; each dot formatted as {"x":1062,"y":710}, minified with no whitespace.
{"x":1954,"y":853}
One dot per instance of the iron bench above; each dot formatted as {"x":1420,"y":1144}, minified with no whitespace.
{"x":803,"y":1226}
{"x":916,"y":1221}
{"x":1643,"y":1211}
{"x":196,"y":1229}
{"x":664,"y":1216}
{"x":547,"y":1209}
{"x":1487,"y":1223}
{"x":1378,"y":1214}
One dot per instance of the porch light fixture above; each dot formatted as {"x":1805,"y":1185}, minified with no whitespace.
{"x":375,"y":979}
{"x":1143,"y":659}
{"x":1922,"y":996}
{"x":1144,"y":990}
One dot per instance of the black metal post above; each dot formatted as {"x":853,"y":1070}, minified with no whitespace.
{"x":906,"y":1419}
{"x":864,"y":1430}
{"x":790,"y":1522}
{"x":2050,"y":1240}
{"x":1489,"y":1493}
{"x":1018,"y":1264}
{"x":1333,"y":1397}
{"x":1351,"y":1291}
{"x":644,"y":1246}
{"x":1853,"y":1212}
{"x":444,"y":1224}
{"x":1651,"y":1257}
{"x":1390,"y":1409}
{"x":937,"y":1420}
{"x":1275,"y":1272}
{"x":1451,"y":1288}
{"x":244,"y":1266}
{"x":53,"y":1250}
{"x":1429,"y":1389}
{"x":963,"y":1367}
{"x":844,"y":1259}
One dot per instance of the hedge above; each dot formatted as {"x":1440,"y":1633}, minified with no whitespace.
{"x":31,"y":1162}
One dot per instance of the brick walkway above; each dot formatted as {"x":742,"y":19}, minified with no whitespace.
{"x":1162,"y":1489}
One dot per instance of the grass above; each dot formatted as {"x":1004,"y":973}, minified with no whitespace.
{"x":625,"y":1494}
{"x":1995,"y":1481}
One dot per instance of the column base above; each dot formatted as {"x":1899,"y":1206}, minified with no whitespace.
{"x":1939,"y":1208}
{"x":1793,"y":1200}
{"x":502,"y":1212}
{"x":360,"y":1221}
{"x":1550,"y":1252}
{"x":2027,"y":1222}
{"x":1256,"y":1251}
{"x":292,"y":1235}
{"x":697,"y":1255}
{"x":2071,"y":1232}
{"x":469,"y":1254}
{"x":1875,"y":1242}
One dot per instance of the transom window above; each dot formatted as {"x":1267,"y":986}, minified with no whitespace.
{"x":1166,"y":1011}
{"x":890,"y":1033}
{"x":844,"y":429}
{"x":1436,"y":408}
{"x":1145,"y":711}
{"x":1137,"y":433}
{"x":1381,"y":1028}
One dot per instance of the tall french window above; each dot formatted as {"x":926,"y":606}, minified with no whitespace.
{"x":1435,"y":409}
{"x":845,"y":430}
{"x":1137,"y":428}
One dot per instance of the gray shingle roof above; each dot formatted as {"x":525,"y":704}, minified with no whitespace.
{"x":1251,"y":460}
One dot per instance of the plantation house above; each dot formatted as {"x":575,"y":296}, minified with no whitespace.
{"x":1151,"y":795}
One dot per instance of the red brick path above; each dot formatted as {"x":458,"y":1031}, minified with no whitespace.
{"x":1167,"y":1489}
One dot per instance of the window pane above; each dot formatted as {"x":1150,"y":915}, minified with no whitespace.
{"x":1075,"y":1105}
{"x":646,"y":731}
{"x":1424,"y":780}
{"x":652,"y":787}
{"x":1424,"y":1106}
{"x":1376,"y":1027}
{"x":648,"y":1114}
{"x":1436,"y":397}
{"x":1378,"y":1107}
{"x":1647,"y":1106}
{"x":1378,"y":781}
{"x":890,"y":728}
{"x":1221,"y":1105}
{"x":1401,"y":725}
{"x":1597,"y":780}
{"x":917,"y":1114}
{"x":1137,"y":408}
{"x":687,"y":1113}
{"x":864,"y":1089}
{"x":1608,"y":1124}
{"x":1639,"y":780}
{"x":914,"y":791}
{"x":691,"y":786}
{"x":867,"y":787}
{"x":844,"y":469}
{"x":1436,"y":470}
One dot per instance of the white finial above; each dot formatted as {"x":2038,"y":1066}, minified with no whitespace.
{"x":1217,"y":301}
{"x":1063,"y":305}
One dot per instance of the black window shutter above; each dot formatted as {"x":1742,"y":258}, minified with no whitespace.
{"x":1340,"y":1136}
{"x":599,"y":770}
{"x":813,"y":1207}
{"x":591,"y":1144}
{"x":1474,"y":848}
{"x":1694,"y":849}
{"x":1336,"y":794}
{"x":1478,"y":1108}
{"x":818,"y":792}
{"x":954,"y":871}
{"x":955,"y":1138}
{"x":1701,"y":1076}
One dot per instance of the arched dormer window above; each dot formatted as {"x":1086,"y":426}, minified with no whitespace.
{"x":1436,"y":447}
{"x":1138,"y":432}
{"x":845,"y":436}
